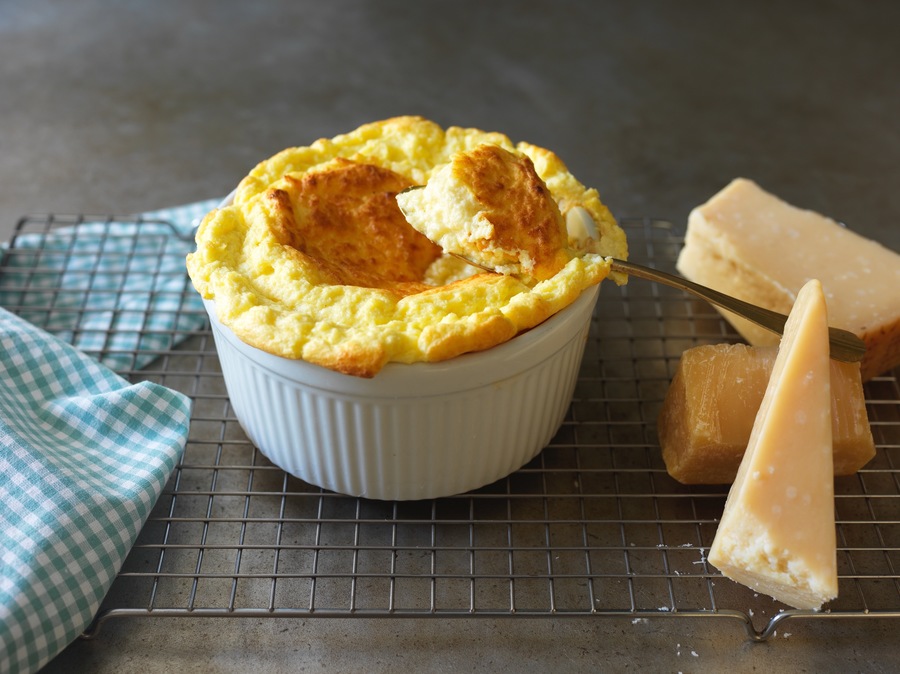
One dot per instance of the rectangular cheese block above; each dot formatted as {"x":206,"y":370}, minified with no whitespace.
{"x":705,"y":421}
{"x":777,"y":532}
{"x":752,"y":245}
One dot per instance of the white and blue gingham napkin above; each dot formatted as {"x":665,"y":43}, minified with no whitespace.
{"x":83,"y":458}
{"x":117,"y":290}
{"x":84,"y":455}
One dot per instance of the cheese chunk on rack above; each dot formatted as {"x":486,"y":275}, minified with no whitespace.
{"x":750,"y":244}
{"x":707,"y":415}
{"x":777,"y":532}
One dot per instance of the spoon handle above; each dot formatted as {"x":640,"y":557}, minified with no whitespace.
{"x":845,"y":346}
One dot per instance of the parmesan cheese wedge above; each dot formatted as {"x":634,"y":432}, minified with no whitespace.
{"x":750,"y":244}
{"x":777,"y":532}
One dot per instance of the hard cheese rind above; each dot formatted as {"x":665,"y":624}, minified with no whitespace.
{"x":708,"y":412}
{"x":751,"y":244}
{"x":777,"y":533}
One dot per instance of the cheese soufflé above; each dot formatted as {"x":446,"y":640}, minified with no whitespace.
{"x":314,"y":259}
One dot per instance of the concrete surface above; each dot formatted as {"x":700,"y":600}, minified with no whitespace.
{"x":129,"y":106}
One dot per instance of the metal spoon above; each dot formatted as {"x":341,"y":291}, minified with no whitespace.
{"x":845,"y":346}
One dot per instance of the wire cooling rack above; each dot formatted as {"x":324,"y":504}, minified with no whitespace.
{"x":593,"y":526}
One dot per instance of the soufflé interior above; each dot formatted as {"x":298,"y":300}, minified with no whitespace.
{"x":315,"y":260}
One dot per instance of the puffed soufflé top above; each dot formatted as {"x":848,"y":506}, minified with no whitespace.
{"x":315,"y":260}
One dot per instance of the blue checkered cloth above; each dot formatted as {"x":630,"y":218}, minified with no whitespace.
{"x":118,"y":291}
{"x":84,"y":455}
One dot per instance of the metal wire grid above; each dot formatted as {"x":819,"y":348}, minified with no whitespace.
{"x":593,"y":526}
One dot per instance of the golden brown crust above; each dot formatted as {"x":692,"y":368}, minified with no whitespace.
{"x":343,"y":220}
{"x":517,"y":203}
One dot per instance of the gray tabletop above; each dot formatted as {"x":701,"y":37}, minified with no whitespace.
{"x":123,"y":107}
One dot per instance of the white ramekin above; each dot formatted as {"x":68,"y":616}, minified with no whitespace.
{"x":416,"y":431}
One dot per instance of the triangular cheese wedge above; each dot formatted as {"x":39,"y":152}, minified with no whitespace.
{"x":777,"y":532}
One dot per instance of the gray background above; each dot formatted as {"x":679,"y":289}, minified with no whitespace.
{"x":121,"y":107}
